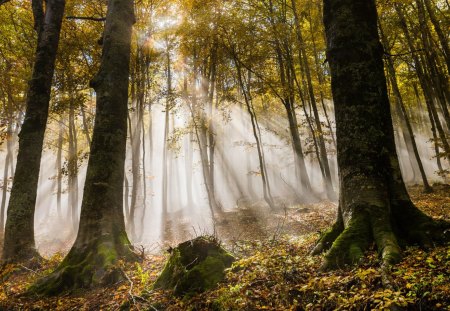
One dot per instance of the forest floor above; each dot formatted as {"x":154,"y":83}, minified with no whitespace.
{"x":273,"y":271}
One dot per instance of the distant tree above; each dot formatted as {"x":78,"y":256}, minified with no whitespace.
{"x":19,"y":232}
{"x":374,"y":204}
{"x":102,"y":238}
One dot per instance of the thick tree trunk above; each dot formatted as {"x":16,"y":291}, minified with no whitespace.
{"x":374,"y":205}
{"x":19,"y":232}
{"x":101,"y":238}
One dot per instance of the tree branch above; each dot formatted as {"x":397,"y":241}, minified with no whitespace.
{"x":89,"y":18}
{"x":386,"y":54}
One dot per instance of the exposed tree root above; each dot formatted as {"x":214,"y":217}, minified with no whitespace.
{"x":86,"y":267}
{"x":326,"y":240}
{"x":408,"y":226}
{"x":30,"y":258}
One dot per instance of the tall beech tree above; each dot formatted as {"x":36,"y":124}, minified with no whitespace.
{"x":19,"y":241}
{"x":374,"y":205}
{"x":102,"y":238}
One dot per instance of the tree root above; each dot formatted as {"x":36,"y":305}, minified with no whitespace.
{"x":349,"y":246}
{"x":91,"y":266}
{"x":373,"y":225}
{"x":326,"y":240}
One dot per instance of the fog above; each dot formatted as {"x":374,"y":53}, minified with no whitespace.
{"x":237,"y":176}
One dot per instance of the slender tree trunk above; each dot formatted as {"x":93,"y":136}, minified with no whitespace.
{"x":319,"y":132}
{"x":188,"y":155}
{"x":211,"y":133}
{"x":73,"y":170}
{"x":19,"y":232}
{"x":305,"y":183}
{"x":435,"y":142}
{"x":440,"y":84}
{"x":443,"y":39}
{"x":320,"y":77}
{"x":85,"y":125}
{"x":8,"y":159}
{"x":10,"y":136}
{"x":265,"y":182}
{"x":135,"y":136}
{"x":165,"y":163}
{"x":189,"y":171}
{"x":102,"y":238}
{"x":424,"y":81}
{"x":409,"y":134}
{"x":59,"y":174}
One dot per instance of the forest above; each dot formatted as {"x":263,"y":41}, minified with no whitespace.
{"x":225,"y":155}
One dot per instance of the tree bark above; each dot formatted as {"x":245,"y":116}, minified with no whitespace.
{"x":410,"y":140}
{"x":303,"y":57}
{"x":72,"y":170}
{"x":59,"y":176}
{"x":165,"y":157}
{"x":440,"y":33}
{"x":257,"y":135}
{"x":102,"y":238}
{"x":19,"y":232}
{"x":424,"y":82}
{"x":374,"y":204}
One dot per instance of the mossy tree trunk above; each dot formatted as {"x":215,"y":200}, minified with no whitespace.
{"x":101,"y":238}
{"x":374,"y":204}
{"x":19,"y":241}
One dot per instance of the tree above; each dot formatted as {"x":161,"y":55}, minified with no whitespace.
{"x":374,"y":204}
{"x":19,"y":232}
{"x":102,"y":238}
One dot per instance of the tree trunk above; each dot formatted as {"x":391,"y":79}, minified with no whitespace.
{"x":440,"y":84}
{"x":319,"y":132}
{"x":300,"y":166}
{"x":424,"y":81}
{"x":410,"y":140}
{"x":257,"y":135}
{"x":59,"y":176}
{"x":8,"y":159}
{"x":73,"y":170}
{"x":85,"y":125}
{"x":101,"y":238}
{"x":165,"y":158}
{"x":441,"y":35}
{"x":19,"y":232}
{"x":374,"y":204}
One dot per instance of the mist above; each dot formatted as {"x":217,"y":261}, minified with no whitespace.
{"x":237,"y":177}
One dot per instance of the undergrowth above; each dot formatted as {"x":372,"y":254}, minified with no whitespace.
{"x":274,"y":273}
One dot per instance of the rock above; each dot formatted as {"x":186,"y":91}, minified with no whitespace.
{"x":194,"y":266}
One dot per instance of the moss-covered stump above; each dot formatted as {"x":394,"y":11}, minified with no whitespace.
{"x":194,"y":266}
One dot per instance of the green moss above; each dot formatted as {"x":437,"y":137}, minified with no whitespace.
{"x":348,"y":247}
{"x":194,"y":266}
{"x":327,"y":239}
{"x":90,"y":266}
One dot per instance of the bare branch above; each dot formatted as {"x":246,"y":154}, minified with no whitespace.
{"x":89,"y":18}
